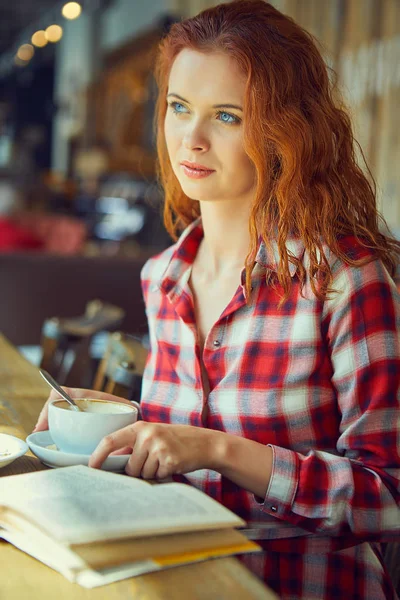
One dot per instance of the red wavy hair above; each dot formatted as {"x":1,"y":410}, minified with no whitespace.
{"x":299,"y":138}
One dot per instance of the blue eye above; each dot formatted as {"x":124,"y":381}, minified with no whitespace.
{"x":230,"y":118}
{"x":224,"y":117}
{"x":177,"y":108}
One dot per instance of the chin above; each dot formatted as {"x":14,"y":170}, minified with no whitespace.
{"x":198,"y":190}
{"x":197,"y":196}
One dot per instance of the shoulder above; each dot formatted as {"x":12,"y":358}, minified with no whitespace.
{"x":360,"y":262}
{"x":352,"y":248}
{"x":355,"y":249}
{"x":369,"y":278}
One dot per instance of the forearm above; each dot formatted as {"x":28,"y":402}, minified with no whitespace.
{"x":301,"y":486}
{"x":245,"y":462}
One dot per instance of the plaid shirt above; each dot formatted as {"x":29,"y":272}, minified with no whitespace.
{"x":316,"y":380}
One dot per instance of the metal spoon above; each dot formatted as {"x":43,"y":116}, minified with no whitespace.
{"x":53,"y":383}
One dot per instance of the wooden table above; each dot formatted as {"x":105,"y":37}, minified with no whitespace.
{"x":22,"y":395}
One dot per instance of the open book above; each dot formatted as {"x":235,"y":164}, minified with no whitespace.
{"x":96,"y":527}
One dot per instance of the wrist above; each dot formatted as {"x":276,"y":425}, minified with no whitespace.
{"x":219,"y":448}
{"x":245,"y":462}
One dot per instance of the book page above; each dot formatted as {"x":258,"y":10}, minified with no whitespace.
{"x":79,"y":504}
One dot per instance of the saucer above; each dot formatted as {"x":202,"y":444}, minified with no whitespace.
{"x":40,"y":441}
{"x":11,"y":448}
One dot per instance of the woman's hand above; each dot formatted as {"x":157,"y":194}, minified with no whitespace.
{"x":160,"y":450}
{"x":43,"y":424}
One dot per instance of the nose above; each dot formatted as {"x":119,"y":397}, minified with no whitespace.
{"x":195,"y":138}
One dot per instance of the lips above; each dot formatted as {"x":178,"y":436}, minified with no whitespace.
{"x":196,"y":172}
{"x":196,"y":166}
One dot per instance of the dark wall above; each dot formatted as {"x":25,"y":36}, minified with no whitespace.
{"x":28,"y":92}
{"x":35,"y":287}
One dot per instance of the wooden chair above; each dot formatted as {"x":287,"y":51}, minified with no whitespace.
{"x":66,"y":342}
{"x":121,"y":368}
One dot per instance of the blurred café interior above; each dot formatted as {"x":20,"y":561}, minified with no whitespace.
{"x":80,"y":207}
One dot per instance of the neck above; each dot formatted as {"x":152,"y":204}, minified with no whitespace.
{"x":226,"y":236}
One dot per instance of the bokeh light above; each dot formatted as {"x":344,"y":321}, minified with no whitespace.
{"x":39,"y":39}
{"x":25,"y":52}
{"x":71,"y":10}
{"x":54,"y":33}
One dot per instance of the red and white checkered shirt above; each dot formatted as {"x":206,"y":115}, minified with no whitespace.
{"x":316,"y":380}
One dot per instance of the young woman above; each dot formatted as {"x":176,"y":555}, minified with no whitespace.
{"x":273,"y":378}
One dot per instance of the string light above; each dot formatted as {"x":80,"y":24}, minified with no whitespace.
{"x":54,"y":33}
{"x":39,"y":39}
{"x":71,"y":10}
{"x":25,"y":52}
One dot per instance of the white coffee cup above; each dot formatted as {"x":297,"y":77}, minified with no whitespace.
{"x":80,"y":432}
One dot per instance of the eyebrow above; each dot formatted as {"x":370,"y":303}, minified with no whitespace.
{"x":215,"y":105}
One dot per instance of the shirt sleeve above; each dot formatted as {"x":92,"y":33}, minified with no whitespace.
{"x":355,"y":492}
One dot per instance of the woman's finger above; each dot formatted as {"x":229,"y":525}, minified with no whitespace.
{"x":162,"y":472}
{"x":42,"y":422}
{"x":136,"y":462}
{"x":150,"y":467}
{"x":126,"y":450}
{"x":112,"y":442}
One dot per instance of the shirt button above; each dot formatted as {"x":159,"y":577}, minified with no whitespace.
{"x":216,"y":343}
{"x":273,"y":508}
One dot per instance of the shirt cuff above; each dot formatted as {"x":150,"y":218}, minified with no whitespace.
{"x":283,"y":483}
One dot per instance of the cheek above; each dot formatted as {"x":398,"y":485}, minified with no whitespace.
{"x":241,"y":168}
{"x":249,"y":166}
{"x":236,"y":156}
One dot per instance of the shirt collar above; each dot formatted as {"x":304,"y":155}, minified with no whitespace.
{"x":269,"y":259}
{"x":184,"y":252}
